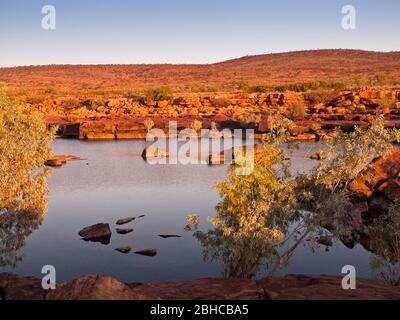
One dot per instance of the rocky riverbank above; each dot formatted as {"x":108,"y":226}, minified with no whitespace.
{"x":122,"y":118}
{"x":290,"y":287}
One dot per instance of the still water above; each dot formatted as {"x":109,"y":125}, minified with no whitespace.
{"x":114,"y":182}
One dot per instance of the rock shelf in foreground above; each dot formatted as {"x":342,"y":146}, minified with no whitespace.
{"x":290,"y":287}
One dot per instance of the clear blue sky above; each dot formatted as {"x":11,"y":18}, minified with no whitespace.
{"x":187,"y":31}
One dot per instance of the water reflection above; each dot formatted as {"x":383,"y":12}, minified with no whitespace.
{"x":20,"y":216}
{"x":383,"y":239}
{"x":249,"y":256}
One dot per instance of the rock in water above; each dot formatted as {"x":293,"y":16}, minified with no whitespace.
{"x":124,"y":221}
{"x":60,"y":160}
{"x":153,"y":152}
{"x":124,"y":231}
{"x":96,"y":288}
{"x":124,"y":249}
{"x":326,"y":241}
{"x":147,"y":252}
{"x":318,"y":156}
{"x":100,"y":232}
{"x":165,"y":236}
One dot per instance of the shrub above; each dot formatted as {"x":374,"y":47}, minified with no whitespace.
{"x":196,"y":125}
{"x":24,"y":146}
{"x":36,"y":99}
{"x":148,"y":124}
{"x":244,"y":86}
{"x":324,"y":96}
{"x":297,"y":110}
{"x":157,"y":94}
{"x":260,"y":89}
{"x":386,"y":102}
{"x":71,"y":103}
{"x":250,"y":119}
{"x":220,"y":103}
{"x":96,"y":103}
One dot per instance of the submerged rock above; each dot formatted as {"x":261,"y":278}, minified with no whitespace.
{"x":318,"y":155}
{"x":169,"y":236}
{"x":125,"y":221}
{"x":124,"y":231}
{"x":153,"y":152}
{"x":147,"y":252}
{"x":100,"y":232}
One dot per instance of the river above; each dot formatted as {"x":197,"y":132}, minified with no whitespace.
{"x":114,"y":182}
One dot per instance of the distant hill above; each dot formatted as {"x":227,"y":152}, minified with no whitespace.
{"x":346,"y":66}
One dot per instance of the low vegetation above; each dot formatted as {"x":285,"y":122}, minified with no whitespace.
{"x":158,"y":94}
{"x":331,"y":69}
{"x":297,"y":110}
{"x":386,"y":102}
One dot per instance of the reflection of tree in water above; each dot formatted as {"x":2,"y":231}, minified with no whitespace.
{"x":14,"y":229}
{"x":384,"y":241}
{"x":263,"y":217}
{"x":240,"y":257}
{"x":24,"y":148}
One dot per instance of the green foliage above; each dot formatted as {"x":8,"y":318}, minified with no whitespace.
{"x":24,"y":148}
{"x":353,"y":152}
{"x":264,"y":216}
{"x":157,"y":94}
{"x":299,"y":87}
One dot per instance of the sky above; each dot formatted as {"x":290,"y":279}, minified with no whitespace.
{"x":187,"y":31}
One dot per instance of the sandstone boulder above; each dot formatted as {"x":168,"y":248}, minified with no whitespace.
{"x":100,"y":232}
{"x":96,"y":288}
{"x":380,"y":171}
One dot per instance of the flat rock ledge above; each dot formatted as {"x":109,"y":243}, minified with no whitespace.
{"x":290,"y":287}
